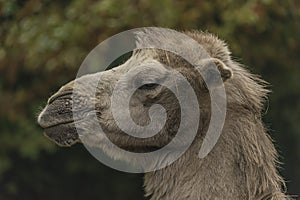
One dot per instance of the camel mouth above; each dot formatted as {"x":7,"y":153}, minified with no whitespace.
{"x":63,"y":134}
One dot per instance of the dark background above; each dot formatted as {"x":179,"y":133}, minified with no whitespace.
{"x":43,"y":42}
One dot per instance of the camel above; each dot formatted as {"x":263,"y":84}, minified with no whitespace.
{"x":241,"y":165}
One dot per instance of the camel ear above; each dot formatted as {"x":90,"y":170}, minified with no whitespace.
{"x":214,"y":68}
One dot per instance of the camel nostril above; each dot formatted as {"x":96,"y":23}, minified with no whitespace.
{"x":59,"y":94}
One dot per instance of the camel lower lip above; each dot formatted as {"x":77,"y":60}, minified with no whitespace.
{"x":64,"y":134}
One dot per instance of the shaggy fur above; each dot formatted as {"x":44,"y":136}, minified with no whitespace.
{"x":242,"y":165}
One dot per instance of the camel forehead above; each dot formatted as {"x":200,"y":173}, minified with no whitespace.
{"x":141,"y":61}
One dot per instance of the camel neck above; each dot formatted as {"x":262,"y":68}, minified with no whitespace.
{"x":241,"y":159}
{"x":193,"y":178}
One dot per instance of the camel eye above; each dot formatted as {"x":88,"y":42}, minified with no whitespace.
{"x":149,"y":86}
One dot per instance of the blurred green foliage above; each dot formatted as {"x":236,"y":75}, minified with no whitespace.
{"x":43,"y":42}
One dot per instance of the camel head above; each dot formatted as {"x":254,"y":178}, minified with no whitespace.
{"x":151,"y":80}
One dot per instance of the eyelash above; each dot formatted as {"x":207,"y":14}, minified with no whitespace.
{"x":149,"y":86}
